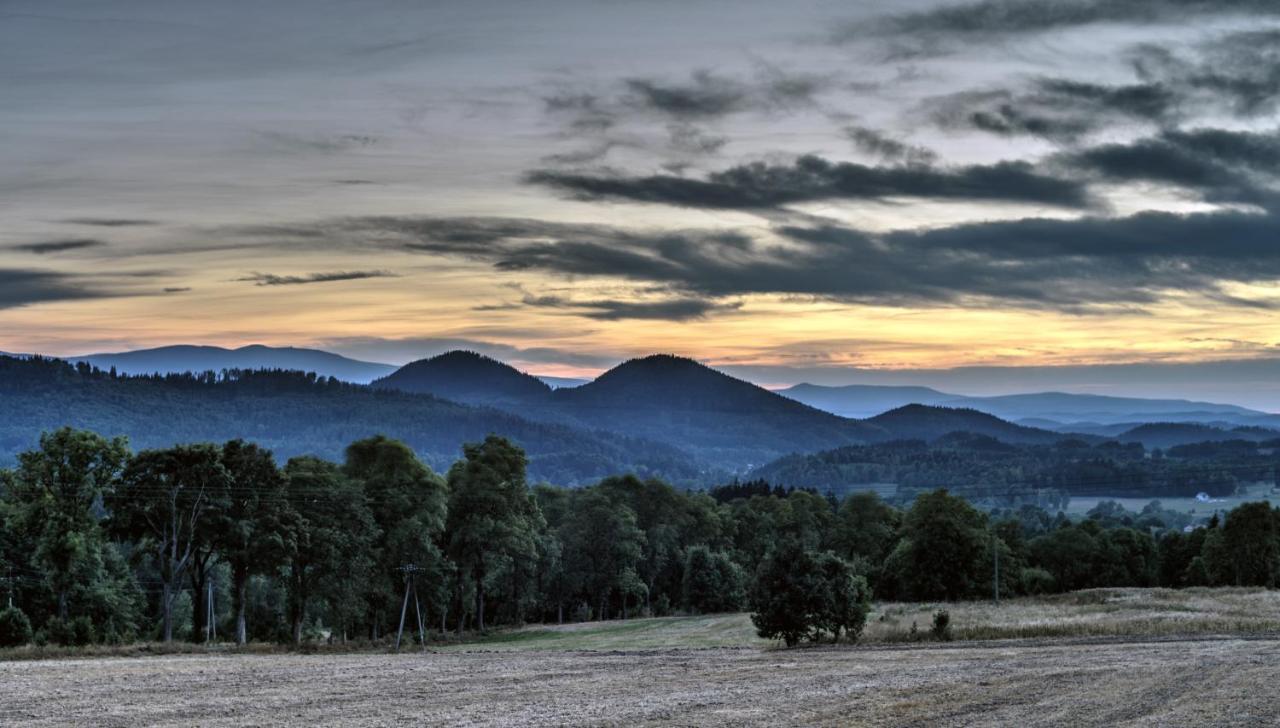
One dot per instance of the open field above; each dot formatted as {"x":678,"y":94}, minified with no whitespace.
{"x":1201,"y":682}
{"x":1089,"y":613}
{"x":1080,"y":505}
{"x":1099,"y":657}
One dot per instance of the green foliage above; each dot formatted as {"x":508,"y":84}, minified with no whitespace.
{"x":944,"y":549}
{"x":785,"y":595}
{"x":15,"y":628}
{"x":335,"y":531}
{"x":798,"y":594}
{"x":54,"y":492}
{"x":845,"y":599}
{"x":492,"y":515}
{"x":712,"y":582}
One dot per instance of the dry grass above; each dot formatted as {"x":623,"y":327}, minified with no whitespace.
{"x":1205,"y":682}
{"x":1090,"y":613}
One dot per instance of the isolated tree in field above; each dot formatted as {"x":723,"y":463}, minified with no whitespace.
{"x":787,"y":593}
{"x":333,"y":539}
{"x":165,"y":500}
{"x":408,"y":502}
{"x":254,"y":533}
{"x":54,"y":492}
{"x":491,"y":513}
{"x":601,"y":544}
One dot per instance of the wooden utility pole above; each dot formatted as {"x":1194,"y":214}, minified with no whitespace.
{"x":409,"y":586}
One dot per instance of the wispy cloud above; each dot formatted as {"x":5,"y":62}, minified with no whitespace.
{"x":272,"y":279}
{"x":47,"y":247}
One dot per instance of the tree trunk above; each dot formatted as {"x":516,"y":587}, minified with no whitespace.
{"x":199,"y":605}
{"x":62,"y":603}
{"x":462,"y":611}
{"x":166,"y":608}
{"x":480,"y":598}
{"x":560,"y":612}
{"x":240,"y":592}
{"x":299,"y":604}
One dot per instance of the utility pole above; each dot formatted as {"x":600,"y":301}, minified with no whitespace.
{"x":409,"y":570}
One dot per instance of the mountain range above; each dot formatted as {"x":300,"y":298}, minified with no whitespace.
{"x":685,"y":420}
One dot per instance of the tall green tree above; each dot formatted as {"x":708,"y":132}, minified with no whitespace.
{"x":332,"y":548}
{"x":944,"y":550}
{"x":602,"y":546}
{"x":165,"y":500}
{"x":55,"y":491}
{"x":492,"y":514}
{"x":254,"y":533}
{"x":408,"y":502}
{"x":1251,"y":543}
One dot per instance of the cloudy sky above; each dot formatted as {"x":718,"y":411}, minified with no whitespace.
{"x":802,"y":185}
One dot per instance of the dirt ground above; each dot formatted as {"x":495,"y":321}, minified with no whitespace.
{"x":1201,"y":681}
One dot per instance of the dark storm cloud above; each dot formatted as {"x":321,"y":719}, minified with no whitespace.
{"x":991,"y":18}
{"x":679,"y":309}
{"x":1221,"y":166}
{"x":21,"y":286}
{"x":1236,"y":74}
{"x":46,"y":247}
{"x":760,"y":185}
{"x":270,"y":279}
{"x":887,"y":149}
{"x":1080,"y":266}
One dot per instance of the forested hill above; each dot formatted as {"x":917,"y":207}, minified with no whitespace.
{"x":467,"y":377}
{"x":681,"y":401}
{"x":921,"y":422}
{"x":294,"y":413}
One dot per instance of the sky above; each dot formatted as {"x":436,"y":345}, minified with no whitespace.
{"x":773,"y":188}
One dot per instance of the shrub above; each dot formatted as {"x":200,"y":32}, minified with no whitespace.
{"x":942,"y":625}
{"x":1037,"y":581}
{"x":15,"y":628}
{"x":76,"y":632}
{"x":798,"y":595}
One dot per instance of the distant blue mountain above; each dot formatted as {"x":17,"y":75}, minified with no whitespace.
{"x":562,"y":382}
{"x":1052,"y":410}
{"x":184,"y":358}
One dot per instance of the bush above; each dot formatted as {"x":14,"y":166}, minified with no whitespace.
{"x":942,"y":625}
{"x":15,"y":628}
{"x":798,"y":595}
{"x":76,"y":632}
{"x":1037,"y":581}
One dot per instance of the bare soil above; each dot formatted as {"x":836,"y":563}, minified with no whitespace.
{"x":1201,"y":681}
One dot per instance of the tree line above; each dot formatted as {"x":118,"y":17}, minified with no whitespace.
{"x":101,"y":544}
